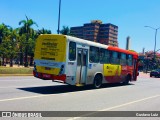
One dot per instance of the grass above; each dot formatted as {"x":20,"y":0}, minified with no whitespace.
{"x":15,"y":70}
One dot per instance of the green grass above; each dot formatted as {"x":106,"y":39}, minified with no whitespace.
{"x":13,"y":70}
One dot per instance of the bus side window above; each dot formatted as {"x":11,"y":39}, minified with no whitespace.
{"x":94,"y":54}
{"x":72,"y":51}
{"x":114,"y":58}
{"x":123,"y":59}
{"x":104,"y":56}
{"x":129,"y":60}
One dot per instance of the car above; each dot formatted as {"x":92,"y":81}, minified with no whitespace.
{"x":155,"y":73}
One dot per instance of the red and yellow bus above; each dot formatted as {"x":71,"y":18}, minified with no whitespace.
{"x":81,"y":62}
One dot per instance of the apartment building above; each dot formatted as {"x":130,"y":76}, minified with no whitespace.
{"x":97,"y":32}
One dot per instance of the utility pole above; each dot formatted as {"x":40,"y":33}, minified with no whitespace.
{"x":59,"y":14}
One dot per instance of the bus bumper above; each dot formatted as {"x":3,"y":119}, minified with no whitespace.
{"x":49,"y":76}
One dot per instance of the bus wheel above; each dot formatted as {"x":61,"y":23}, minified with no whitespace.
{"x":127,"y":79}
{"x":97,"y":81}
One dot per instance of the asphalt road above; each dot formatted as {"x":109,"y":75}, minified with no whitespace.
{"x":32,"y":94}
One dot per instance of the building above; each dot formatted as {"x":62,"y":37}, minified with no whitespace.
{"x":128,"y":43}
{"x":97,"y":32}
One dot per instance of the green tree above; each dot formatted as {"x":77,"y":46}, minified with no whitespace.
{"x":43,"y":31}
{"x":27,"y":31}
{"x":65,"y":30}
{"x":20,"y":45}
{"x":12,"y":48}
{"x":3,"y":50}
{"x":4,"y":32}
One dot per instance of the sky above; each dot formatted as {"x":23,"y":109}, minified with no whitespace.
{"x":129,"y":15}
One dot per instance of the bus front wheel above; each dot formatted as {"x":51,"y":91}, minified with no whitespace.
{"x":97,"y":81}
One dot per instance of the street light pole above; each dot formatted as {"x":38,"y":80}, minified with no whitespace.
{"x":59,"y":14}
{"x":155,"y":44}
{"x":156,"y":29}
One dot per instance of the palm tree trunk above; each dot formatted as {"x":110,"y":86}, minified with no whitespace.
{"x":26,"y":57}
{"x":31,"y":60}
{"x":26,"y":49}
{"x":3,"y":60}
{"x":11,"y":61}
{"x":21,"y":56}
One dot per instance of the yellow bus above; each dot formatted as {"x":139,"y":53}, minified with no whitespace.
{"x":79,"y":62}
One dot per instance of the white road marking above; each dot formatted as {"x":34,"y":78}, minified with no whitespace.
{"x":27,"y":86}
{"x":114,"y":107}
{"x":27,"y":97}
{"x":16,"y":87}
{"x":14,"y":80}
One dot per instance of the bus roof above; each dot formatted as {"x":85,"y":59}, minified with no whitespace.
{"x":86,"y":42}
{"x":91,"y":43}
{"x":79,"y":40}
{"x":122,"y":50}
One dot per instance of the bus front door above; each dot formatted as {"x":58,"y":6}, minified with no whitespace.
{"x":82,"y":61}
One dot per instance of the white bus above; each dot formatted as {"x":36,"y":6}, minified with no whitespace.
{"x":81,"y":62}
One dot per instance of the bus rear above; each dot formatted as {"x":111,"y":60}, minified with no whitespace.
{"x":50,"y":57}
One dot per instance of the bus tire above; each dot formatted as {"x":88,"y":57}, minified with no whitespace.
{"x":97,"y":81}
{"x":127,"y":79}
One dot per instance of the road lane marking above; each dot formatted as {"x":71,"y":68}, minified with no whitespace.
{"x":114,"y":107}
{"x":16,"y":87}
{"x":129,"y":103}
{"x":27,"y":86}
{"x":27,"y":97}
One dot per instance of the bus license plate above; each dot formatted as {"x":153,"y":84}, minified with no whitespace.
{"x":47,"y":68}
{"x":46,"y":76}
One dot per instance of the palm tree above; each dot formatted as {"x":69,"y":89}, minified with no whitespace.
{"x":20,"y":41}
{"x":65,"y":30}
{"x":26,"y":29}
{"x":43,"y":31}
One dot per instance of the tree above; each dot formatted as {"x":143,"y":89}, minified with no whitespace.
{"x":4,"y":32}
{"x":12,"y":45}
{"x":43,"y":31}
{"x":65,"y":30}
{"x":15,"y":42}
{"x":27,"y":30}
{"x":20,"y":45}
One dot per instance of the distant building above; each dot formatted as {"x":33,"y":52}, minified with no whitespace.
{"x":128,"y":43}
{"x":143,"y":51}
{"x":97,"y":32}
